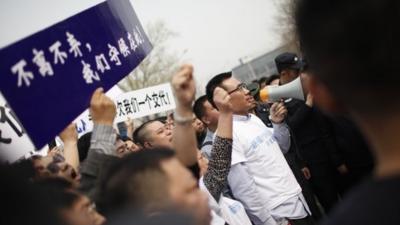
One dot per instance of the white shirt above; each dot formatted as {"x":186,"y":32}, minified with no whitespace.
{"x":260,"y":176}
{"x":207,"y":143}
{"x":226,"y":209}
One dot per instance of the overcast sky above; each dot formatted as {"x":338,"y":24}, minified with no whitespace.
{"x":214,"y":33}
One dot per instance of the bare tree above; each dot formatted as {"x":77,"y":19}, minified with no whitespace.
{"x":159,"y":65}
{"x":286,"y":22}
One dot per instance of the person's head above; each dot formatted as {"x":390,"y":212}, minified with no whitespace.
{"x":24,"y":202}
{"x":241,"y":99}
{"x":55,"y":166}
{"x":131,"y":146}
{"x":153,"y":133}
{"x":263,"y":82}
{"x":124,"y":146}
{"x":24,"y":169}
{"x":74,"y":208}
{"x":273,"y":80}
{"x":198,"y":126}
{"x":289,"y":66}
{"x":352,"y":49}
{"x":204,"y":111}
{"x":152,"y":181}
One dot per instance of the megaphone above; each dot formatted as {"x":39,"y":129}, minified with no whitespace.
{"x":293,"y":89}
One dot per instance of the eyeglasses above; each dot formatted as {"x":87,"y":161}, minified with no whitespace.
{"x":240,"y":87}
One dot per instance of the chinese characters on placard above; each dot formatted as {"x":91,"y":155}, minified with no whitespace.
{"x":151,"y":101}
{"x":72,"y":47}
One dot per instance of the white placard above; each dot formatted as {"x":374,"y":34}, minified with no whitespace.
{"x":14,"y":142}
{"x":84,"y":123}
{"x":144,"y":102}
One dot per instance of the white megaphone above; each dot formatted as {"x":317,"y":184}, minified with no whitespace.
{"x":293,"y":89}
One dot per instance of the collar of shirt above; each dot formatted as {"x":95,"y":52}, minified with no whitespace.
{"x":241,"y":117}
{"x":210,"y":134}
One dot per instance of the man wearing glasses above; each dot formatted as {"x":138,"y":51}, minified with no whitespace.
{"x":260,"y":177}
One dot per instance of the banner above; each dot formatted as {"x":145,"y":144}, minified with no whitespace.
{"x":49,"y":77}
{"x":144,"y":102}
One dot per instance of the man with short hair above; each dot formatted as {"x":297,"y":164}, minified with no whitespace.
{"x":153,"y":133}
{"x":352,"y":48}
{"x":260,"y":177}
{"x":209,"y":116}
{"x":153,"y":182}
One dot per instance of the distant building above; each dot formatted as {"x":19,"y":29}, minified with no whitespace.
{"x":262,"y":66}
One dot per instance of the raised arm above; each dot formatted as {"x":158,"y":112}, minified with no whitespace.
{"x":70,"y":138}
{"x":184,"y":138}
{"x":103,"y":138}
{"x":281,"y":132}
{"x":219,"y":165}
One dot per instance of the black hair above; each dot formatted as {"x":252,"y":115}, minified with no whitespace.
{"x":353,"y":48}
{"x":24,"y":202}
{"x":263,"y":80}
{"x":84,"y":145}
{"x":213,"y":83}
{"x":139,"y":136}
{"x":162,"y":119}
{"x":57,"y":183}
{"x":135,"y":181}
{"x":272,"y":78}
{"x":198,"y":107}
{"x":24,"y":169}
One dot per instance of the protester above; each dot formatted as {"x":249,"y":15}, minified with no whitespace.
{"x":352,"y":49}
{"x":260,"y":177}
{"x":102,"y":145}
{"x":205,"y":112}
{"x":312,"y":136}
{"x":273,"y":80}
{"x":229,"y":158}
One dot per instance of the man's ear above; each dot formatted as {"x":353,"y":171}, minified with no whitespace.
{"x":323,"y":97}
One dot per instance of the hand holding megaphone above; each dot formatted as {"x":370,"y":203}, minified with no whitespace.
{"x":296,"y":89}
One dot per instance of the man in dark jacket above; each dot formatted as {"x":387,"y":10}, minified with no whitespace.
{"x":312,"y":136}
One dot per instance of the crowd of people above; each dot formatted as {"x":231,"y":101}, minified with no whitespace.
{"x":228,"y":157}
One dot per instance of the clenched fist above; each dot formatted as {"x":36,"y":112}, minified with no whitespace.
{"x":184,"y":86}
{"x":102,"y":108}
{"x":222,"y":100}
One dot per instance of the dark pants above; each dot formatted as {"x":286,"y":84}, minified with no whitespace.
{"x":355,"y":176}
{"x":305,"y":221}
{"x":305,"y":186}
{"x":323,"y":182}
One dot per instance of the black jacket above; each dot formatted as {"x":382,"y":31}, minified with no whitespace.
{"x":313,"y":136}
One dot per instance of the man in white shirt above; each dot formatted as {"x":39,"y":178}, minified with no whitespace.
{"x":260,"y":177}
